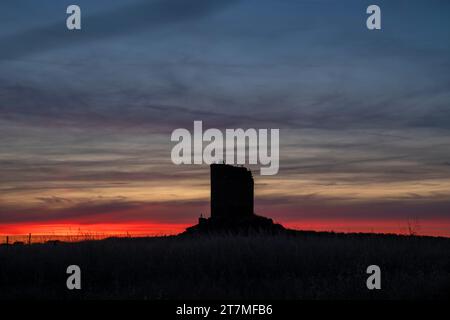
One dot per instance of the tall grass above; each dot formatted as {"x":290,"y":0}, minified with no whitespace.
{"x":297,"y":266}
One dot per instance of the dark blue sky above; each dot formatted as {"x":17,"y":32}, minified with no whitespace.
{"x":86,"y":116}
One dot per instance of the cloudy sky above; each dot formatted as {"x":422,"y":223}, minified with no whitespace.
{"x":86,"y":116}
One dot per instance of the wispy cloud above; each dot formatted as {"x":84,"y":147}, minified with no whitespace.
{"x":122,"y":20}
{"x":86,"y":117}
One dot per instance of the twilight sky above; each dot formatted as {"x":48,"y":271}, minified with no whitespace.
{"x":86,"y":116}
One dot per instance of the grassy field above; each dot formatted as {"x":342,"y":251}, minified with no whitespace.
{"x":297,"y":266}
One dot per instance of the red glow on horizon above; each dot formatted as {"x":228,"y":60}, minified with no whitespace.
{"x":106,"y":229}
{"x":436,"y":228}
{"x":137,"y":228}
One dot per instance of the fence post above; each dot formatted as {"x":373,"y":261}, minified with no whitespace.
{"x":7,"y":239}
{"x":29,"y":238}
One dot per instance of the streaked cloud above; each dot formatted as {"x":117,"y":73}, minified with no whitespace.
{"x":85,"y":118}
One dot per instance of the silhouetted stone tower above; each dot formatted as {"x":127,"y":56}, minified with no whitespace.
{"x":231,"y":192}
{"x":232,"y":205}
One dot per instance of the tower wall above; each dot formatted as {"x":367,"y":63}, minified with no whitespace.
{"x":231,"y":191}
